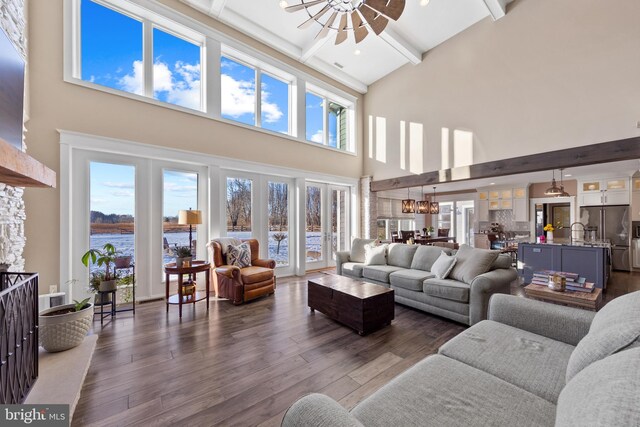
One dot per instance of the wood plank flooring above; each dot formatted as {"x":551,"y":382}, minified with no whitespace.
{"x":243,"y":365}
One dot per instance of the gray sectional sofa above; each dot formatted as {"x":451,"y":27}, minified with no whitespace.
{"x":463,"y":296}
{"x":531,"y":364}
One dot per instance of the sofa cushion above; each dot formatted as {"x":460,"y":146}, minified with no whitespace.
{"x":375,"y":255}
{"x":401,"y":255}
{"x":472,"y":262}
{"x":353,"y":269}
{"x":439,"y":391}
{"x":425,"y":256}
{"x":602,"y":343}
{"x":502,"y":261}
{"x":447,"y":289}
{"x":606,"y":393}
{"x":409,"y":279}
{"x":444,"y":304}
{"x":357,"y":249}
{"x":255,"y":274}
{"x":620,"y":310}
{"x":443,"y":266}
{"x":530,"y":361}
{"x":379,"y":272}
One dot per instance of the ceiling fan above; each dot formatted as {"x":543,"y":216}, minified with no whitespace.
{"x":343,"y":16}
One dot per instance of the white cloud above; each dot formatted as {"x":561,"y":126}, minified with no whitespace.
{"x":111,"y":184}
{"x":170,"y":186}
{"x":317,"y":137}
{"x":238,"y":98}
{"x":122,"y":193}
{"x":181,"y":86}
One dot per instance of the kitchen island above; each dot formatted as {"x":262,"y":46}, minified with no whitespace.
{"x":590,"y":262}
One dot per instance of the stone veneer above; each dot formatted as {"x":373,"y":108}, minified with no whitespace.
{"x":12,"y":212}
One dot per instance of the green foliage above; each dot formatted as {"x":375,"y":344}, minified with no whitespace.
{"x":79,"y":305}
{"x":183,"y":251}
{"x":95,"y":279}
{"x":104,"y":257}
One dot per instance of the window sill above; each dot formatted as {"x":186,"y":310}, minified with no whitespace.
{"x":140,"y":98}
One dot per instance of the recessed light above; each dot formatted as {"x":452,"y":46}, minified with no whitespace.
{"x":567,"y":174}
{"x":492,"y":183}
{"x":424,"y":2}
{"x":283,"y":4}
{"x":357,"y":52}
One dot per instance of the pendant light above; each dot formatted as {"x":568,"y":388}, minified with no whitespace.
{"x":564,"y":193}
{"x":408,"y":204}
{"x":423,"y":206}
{"x":553,"y":190}
{"x":434,"y":207}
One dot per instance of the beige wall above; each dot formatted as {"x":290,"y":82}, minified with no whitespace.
{"x":59,"y":105}
{"x":551,"y":74}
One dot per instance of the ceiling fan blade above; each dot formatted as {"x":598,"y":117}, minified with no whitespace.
{"x":376,"y":21}
{"x":308,"y":22}
{"x":342,"y":33}
{"x":393,"y":10}
{"x":359,"y":30}
{"x":297,"y":7}
{"x":327,"y":26}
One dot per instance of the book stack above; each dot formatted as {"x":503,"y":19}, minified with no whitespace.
{"x":574,"y":281}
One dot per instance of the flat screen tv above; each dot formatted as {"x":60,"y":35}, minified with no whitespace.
{"x":11,"y":92}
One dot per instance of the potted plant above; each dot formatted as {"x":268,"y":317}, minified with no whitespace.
{"x":104,"y":257}
{"x":183,"y":253}
{"x":428,"y":230}
{"x":63,"y":327}
{"x":122,"y":261}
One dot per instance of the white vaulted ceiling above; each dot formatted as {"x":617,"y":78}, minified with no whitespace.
{"x":419,"y":29}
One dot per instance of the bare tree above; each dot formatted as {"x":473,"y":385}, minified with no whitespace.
{"x":314,"y":208}
{"x":278,"y":205}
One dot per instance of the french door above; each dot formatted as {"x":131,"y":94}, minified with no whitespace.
{"x":327,"y":225}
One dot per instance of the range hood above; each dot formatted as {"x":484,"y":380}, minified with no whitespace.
{"x":18,"y":169}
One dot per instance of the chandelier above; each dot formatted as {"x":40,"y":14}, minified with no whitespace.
{"x":344,"y":16}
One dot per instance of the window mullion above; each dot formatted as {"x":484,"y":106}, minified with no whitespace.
{"x":147,"y":49}
{"x":258,"y":97}
{"x":325,"y":121}
{"x":213,"y":77}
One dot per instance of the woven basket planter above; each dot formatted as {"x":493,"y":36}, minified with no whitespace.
{"x":64,"y":331}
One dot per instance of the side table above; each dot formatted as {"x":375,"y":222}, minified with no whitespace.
{"x":587,"y":300}
{"x":179,"y":299}
{"x":111,"y":295}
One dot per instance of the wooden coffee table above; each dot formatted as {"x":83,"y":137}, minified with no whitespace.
{"x":362,"y":306}
{"x":590,"y":301}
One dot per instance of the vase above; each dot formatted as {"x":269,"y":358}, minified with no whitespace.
{"x":59,"y":332}
{"x":549,"y":236}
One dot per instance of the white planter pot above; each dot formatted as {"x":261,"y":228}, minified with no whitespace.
{"x":64,"y":331}
{"x":108,"y":285}
{"x":549,"y":236}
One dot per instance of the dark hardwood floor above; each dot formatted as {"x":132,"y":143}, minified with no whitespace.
{"x":244,"y":365}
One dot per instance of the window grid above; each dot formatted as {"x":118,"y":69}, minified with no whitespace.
{"x":149,"y":23}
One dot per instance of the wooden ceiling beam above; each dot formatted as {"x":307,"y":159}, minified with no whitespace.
{"x":606,"y":152}
{"x":497,"y":8}
{"x":19,"y":169}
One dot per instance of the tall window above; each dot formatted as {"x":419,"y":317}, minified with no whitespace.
{"x":180,"y":192}
{"x":239,"y":207}
{"x":314,"y":232}
{"x":111,"y":48}
{"x":240,"y":101}
{"x":278,"y":211}
{"x":112,"y":55}
{"x":176,"y":70}
{"x":327,"y":122}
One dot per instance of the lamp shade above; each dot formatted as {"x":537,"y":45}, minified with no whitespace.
{"x":408,"y":206}
{"x":422,"y":207}
{"x":189,"y":217}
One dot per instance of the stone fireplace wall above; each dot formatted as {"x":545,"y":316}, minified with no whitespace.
{"x":12,"y":212}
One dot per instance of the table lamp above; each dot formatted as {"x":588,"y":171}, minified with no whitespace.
{"x":190,"y":217}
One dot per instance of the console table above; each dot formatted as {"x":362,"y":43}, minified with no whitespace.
{"x":179,"y":299}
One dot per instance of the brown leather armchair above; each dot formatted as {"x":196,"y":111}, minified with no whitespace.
{"x":242,"y":284}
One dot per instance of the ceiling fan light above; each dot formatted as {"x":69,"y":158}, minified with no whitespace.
{"x":283,"y":4}
{"x":423,"y":3}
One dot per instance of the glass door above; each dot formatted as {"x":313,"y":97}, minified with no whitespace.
{"x":238,"y":209}
{"x":327,"y":224}
{"x":280,"y":246}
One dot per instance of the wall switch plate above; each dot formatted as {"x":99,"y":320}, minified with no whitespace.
{"x":53,"y":289}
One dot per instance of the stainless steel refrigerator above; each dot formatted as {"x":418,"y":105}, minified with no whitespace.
{"x":611,"y":223}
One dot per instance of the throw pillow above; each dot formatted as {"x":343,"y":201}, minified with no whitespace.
{"x":443,"y":265}
{"x":472,"y":262}
{"x":601,"y":344}
{"x":240,"y":255}
{"x":375,"y":255}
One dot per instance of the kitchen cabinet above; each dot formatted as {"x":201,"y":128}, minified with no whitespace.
{"x":483,"y":195}
{"x":635,"y":185}
{"x":591,"y":263}
{"x":610,"y":191}
{"x":635,"y":206}
{"x":520,"y":210}
{"x":494,"y":195}
{"x":483,"y":210}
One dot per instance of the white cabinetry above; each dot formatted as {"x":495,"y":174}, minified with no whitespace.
{"x":515,"y":200}
{"x":483,"y":206}
{"x":611,"y":191}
